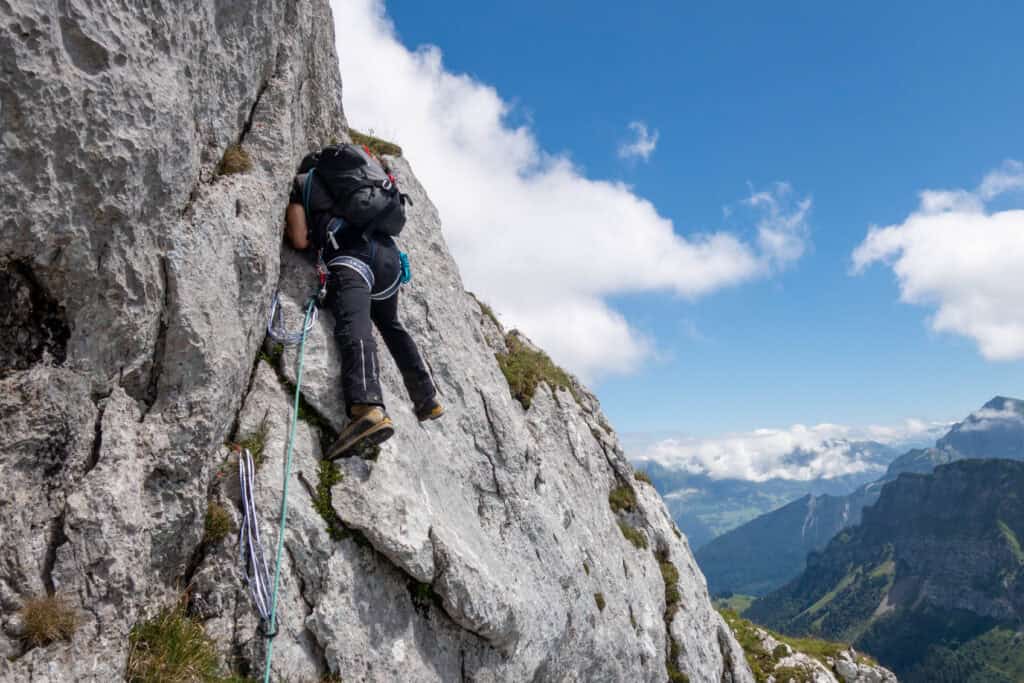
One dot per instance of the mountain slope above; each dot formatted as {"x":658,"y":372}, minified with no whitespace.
{"x":751,"y":560}
{"x":782,"y":538}
{"x":920,"y":577}
{"x":485,"y":546}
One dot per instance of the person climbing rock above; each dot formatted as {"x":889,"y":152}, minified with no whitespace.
{"x":347,"y":206}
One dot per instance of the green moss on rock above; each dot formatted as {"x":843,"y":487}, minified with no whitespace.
{"x":377,"y":145}
{"x":525,"y":368}
{"x":217,"y":524}
{"x":633,"y":535}
{"x":622,"y":499}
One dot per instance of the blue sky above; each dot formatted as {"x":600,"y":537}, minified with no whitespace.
{"x":858,"y":108}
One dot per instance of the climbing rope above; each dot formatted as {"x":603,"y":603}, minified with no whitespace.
{"x":249,"y":534}
{"x":250,"y":547}
{"x":275,"y":324}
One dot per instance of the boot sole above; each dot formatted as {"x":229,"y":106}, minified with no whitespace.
{"x":374,"y":436}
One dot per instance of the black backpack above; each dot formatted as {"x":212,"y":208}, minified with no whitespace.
{"x":364,"y":194}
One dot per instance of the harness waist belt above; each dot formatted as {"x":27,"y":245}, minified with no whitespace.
{"x":366,"y":272}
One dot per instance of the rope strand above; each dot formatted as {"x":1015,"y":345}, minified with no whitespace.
{"x":307,"y":325}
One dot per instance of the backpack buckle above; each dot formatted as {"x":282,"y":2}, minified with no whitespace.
{"x":335,"y":225}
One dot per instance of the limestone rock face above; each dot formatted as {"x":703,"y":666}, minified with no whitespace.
{"x":480,"y":547}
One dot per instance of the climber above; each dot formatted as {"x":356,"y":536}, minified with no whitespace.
{"x":365,"y":272}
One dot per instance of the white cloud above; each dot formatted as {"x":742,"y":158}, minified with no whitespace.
{"x":536,"y":238}
{"x":956,"y":255}
{"x":642,"y":145}
{"x":800,"y":452}
{"x":782,"y":231}
{"x":989,"y":418}
{"x":912,"y":432}
{"x":1006,"y":179}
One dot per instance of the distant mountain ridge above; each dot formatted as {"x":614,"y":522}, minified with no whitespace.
{"x":931,"y":582}
{"x":705,"y":508}
{"x":764,"y":553}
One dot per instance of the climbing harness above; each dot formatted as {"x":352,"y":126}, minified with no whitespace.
{"x":365,"y":272}
{"x":250,"y":533}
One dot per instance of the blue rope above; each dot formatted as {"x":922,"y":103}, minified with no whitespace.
{"x":284,"y":495}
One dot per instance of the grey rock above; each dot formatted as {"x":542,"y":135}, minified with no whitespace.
{"x":473,"y":547}
{"x":845,"y":668}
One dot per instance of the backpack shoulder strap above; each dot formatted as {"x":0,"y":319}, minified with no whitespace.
{"x":306,"y":189}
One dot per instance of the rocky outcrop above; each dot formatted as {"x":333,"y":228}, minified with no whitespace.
{"x":935,"y":565}
{"x":844,"y":666}
{"x":776,"y":659}
{"x":481,"y":547}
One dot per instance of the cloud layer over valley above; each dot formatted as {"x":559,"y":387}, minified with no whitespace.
{"x":799,"y":452}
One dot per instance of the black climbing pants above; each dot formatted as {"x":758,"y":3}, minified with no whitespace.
{"x":349,"y":300}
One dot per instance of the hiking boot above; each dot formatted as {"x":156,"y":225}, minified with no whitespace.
{"x":369,"y":426}
{"x":431,"y":409}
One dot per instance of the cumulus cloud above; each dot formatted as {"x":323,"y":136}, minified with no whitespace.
{"x":800,"y":452}
{"x":955,"y":254}
{"x":642,"y":145}
{"x":533,"y":235}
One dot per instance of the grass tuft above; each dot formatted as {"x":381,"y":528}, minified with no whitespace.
{"x":634,"y":536}
{"x":673,"y":601}
{"x":599,"y":601}
{"x":487,"y":311}
{"x":172,"y":648}
{"x":256,"y":442}
{"x":642,"y":476}
{"x":376,"y":145}
{"x":329,"y":475}
{"x":235,"y":160}
{"x":670,"y":577}
{"x":622,"y":499}
{"x":47,"y":619}
{"x":526,"y":368}
{"x":677,"y":676}
{"x":217,"y":525}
